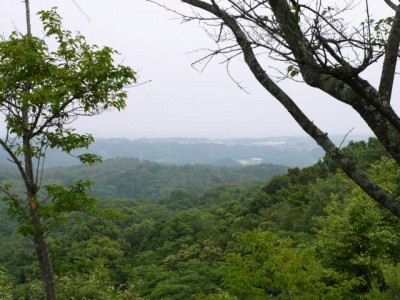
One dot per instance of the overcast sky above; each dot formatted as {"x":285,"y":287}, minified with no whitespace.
{"x":179,"y":101}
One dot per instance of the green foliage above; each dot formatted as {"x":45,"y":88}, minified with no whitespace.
{"x":190,"y":276}
{"x":29,"y":290}
{"x":221,"y":295}
{"x":290,"y":201}
{"x":65,"y":200}
{"x":391,"y":290}
{"x":132,"y":178}
{"x":381,"y":29}
{"x":387,"y":173}
{"x":42,"y":90}
{"x":5,"y":285}
{"x":238,"y":241}
{"x":287,"y":199}
{"x":96,"y":285}
{"x":181,"y":200}
{"x":14,"y":204}
{"x":44,"y":87}
{"x":261,"y":265}
{"x":358,"y":237}
{"x":54,"y":86}
{"x":293,"y":71}
{"x":364,"y":154}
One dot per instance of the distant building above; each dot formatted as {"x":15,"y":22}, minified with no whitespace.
{"x":250,"y":162}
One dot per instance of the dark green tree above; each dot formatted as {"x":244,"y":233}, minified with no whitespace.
{"x":43,"y":89}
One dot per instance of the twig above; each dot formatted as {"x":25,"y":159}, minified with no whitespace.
{"x":139,"y":84}
{"x":82,"y":11}
{"x":340,"y":146}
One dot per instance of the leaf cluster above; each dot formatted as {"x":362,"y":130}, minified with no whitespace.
{"x":42,"y":90}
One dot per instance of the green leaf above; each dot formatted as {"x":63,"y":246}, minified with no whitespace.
{"x":89,"y":158}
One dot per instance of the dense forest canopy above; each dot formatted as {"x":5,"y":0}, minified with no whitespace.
{"x":307,"y":234}
{"x":132,"y":178}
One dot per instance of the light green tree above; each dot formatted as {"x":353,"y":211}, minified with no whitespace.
{"x":261,"y":265}
{"x":357,"y":237}
{"x":43,"y":89}
{"x":5,"y":286}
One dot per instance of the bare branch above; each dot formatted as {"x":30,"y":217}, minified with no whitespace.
{"x":390,"y":61}
{"x":344,"y":139}
{"x":239,"y":84}
{"x":82,"y":11}
{"x":392,"y":5}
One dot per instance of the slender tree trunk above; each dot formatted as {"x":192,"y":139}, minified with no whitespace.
{"x":46,"y":268}
{"x":39,"y":238}
{"x":41,"y":247}
{"x":42,"y":253}
{"x":28,"y":18}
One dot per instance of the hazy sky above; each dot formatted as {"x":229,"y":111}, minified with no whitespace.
{"x":179,"y":101}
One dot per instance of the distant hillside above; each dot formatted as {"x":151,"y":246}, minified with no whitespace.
{"x":288,"y":151}
{"x":292,"y":152}
{"x":282,"y":151}
{"x":134,"y":179}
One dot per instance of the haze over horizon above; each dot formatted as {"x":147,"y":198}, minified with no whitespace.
{"x":172,"y":98}
{"x":335,"y":137}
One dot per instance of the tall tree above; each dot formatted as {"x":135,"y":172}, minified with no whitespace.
{"x":319,"y":43}
{"x":43,"y":89}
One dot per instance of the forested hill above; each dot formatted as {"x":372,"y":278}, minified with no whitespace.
{"x":132,"y":178}
{"x":307,"y":234}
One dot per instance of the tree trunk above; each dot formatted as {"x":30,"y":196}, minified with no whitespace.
{"x":46,"y":268}
{"x":39,"y":238}
{"x":28,"y":18}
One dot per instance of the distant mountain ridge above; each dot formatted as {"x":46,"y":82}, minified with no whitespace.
{"x":288,"y":151}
